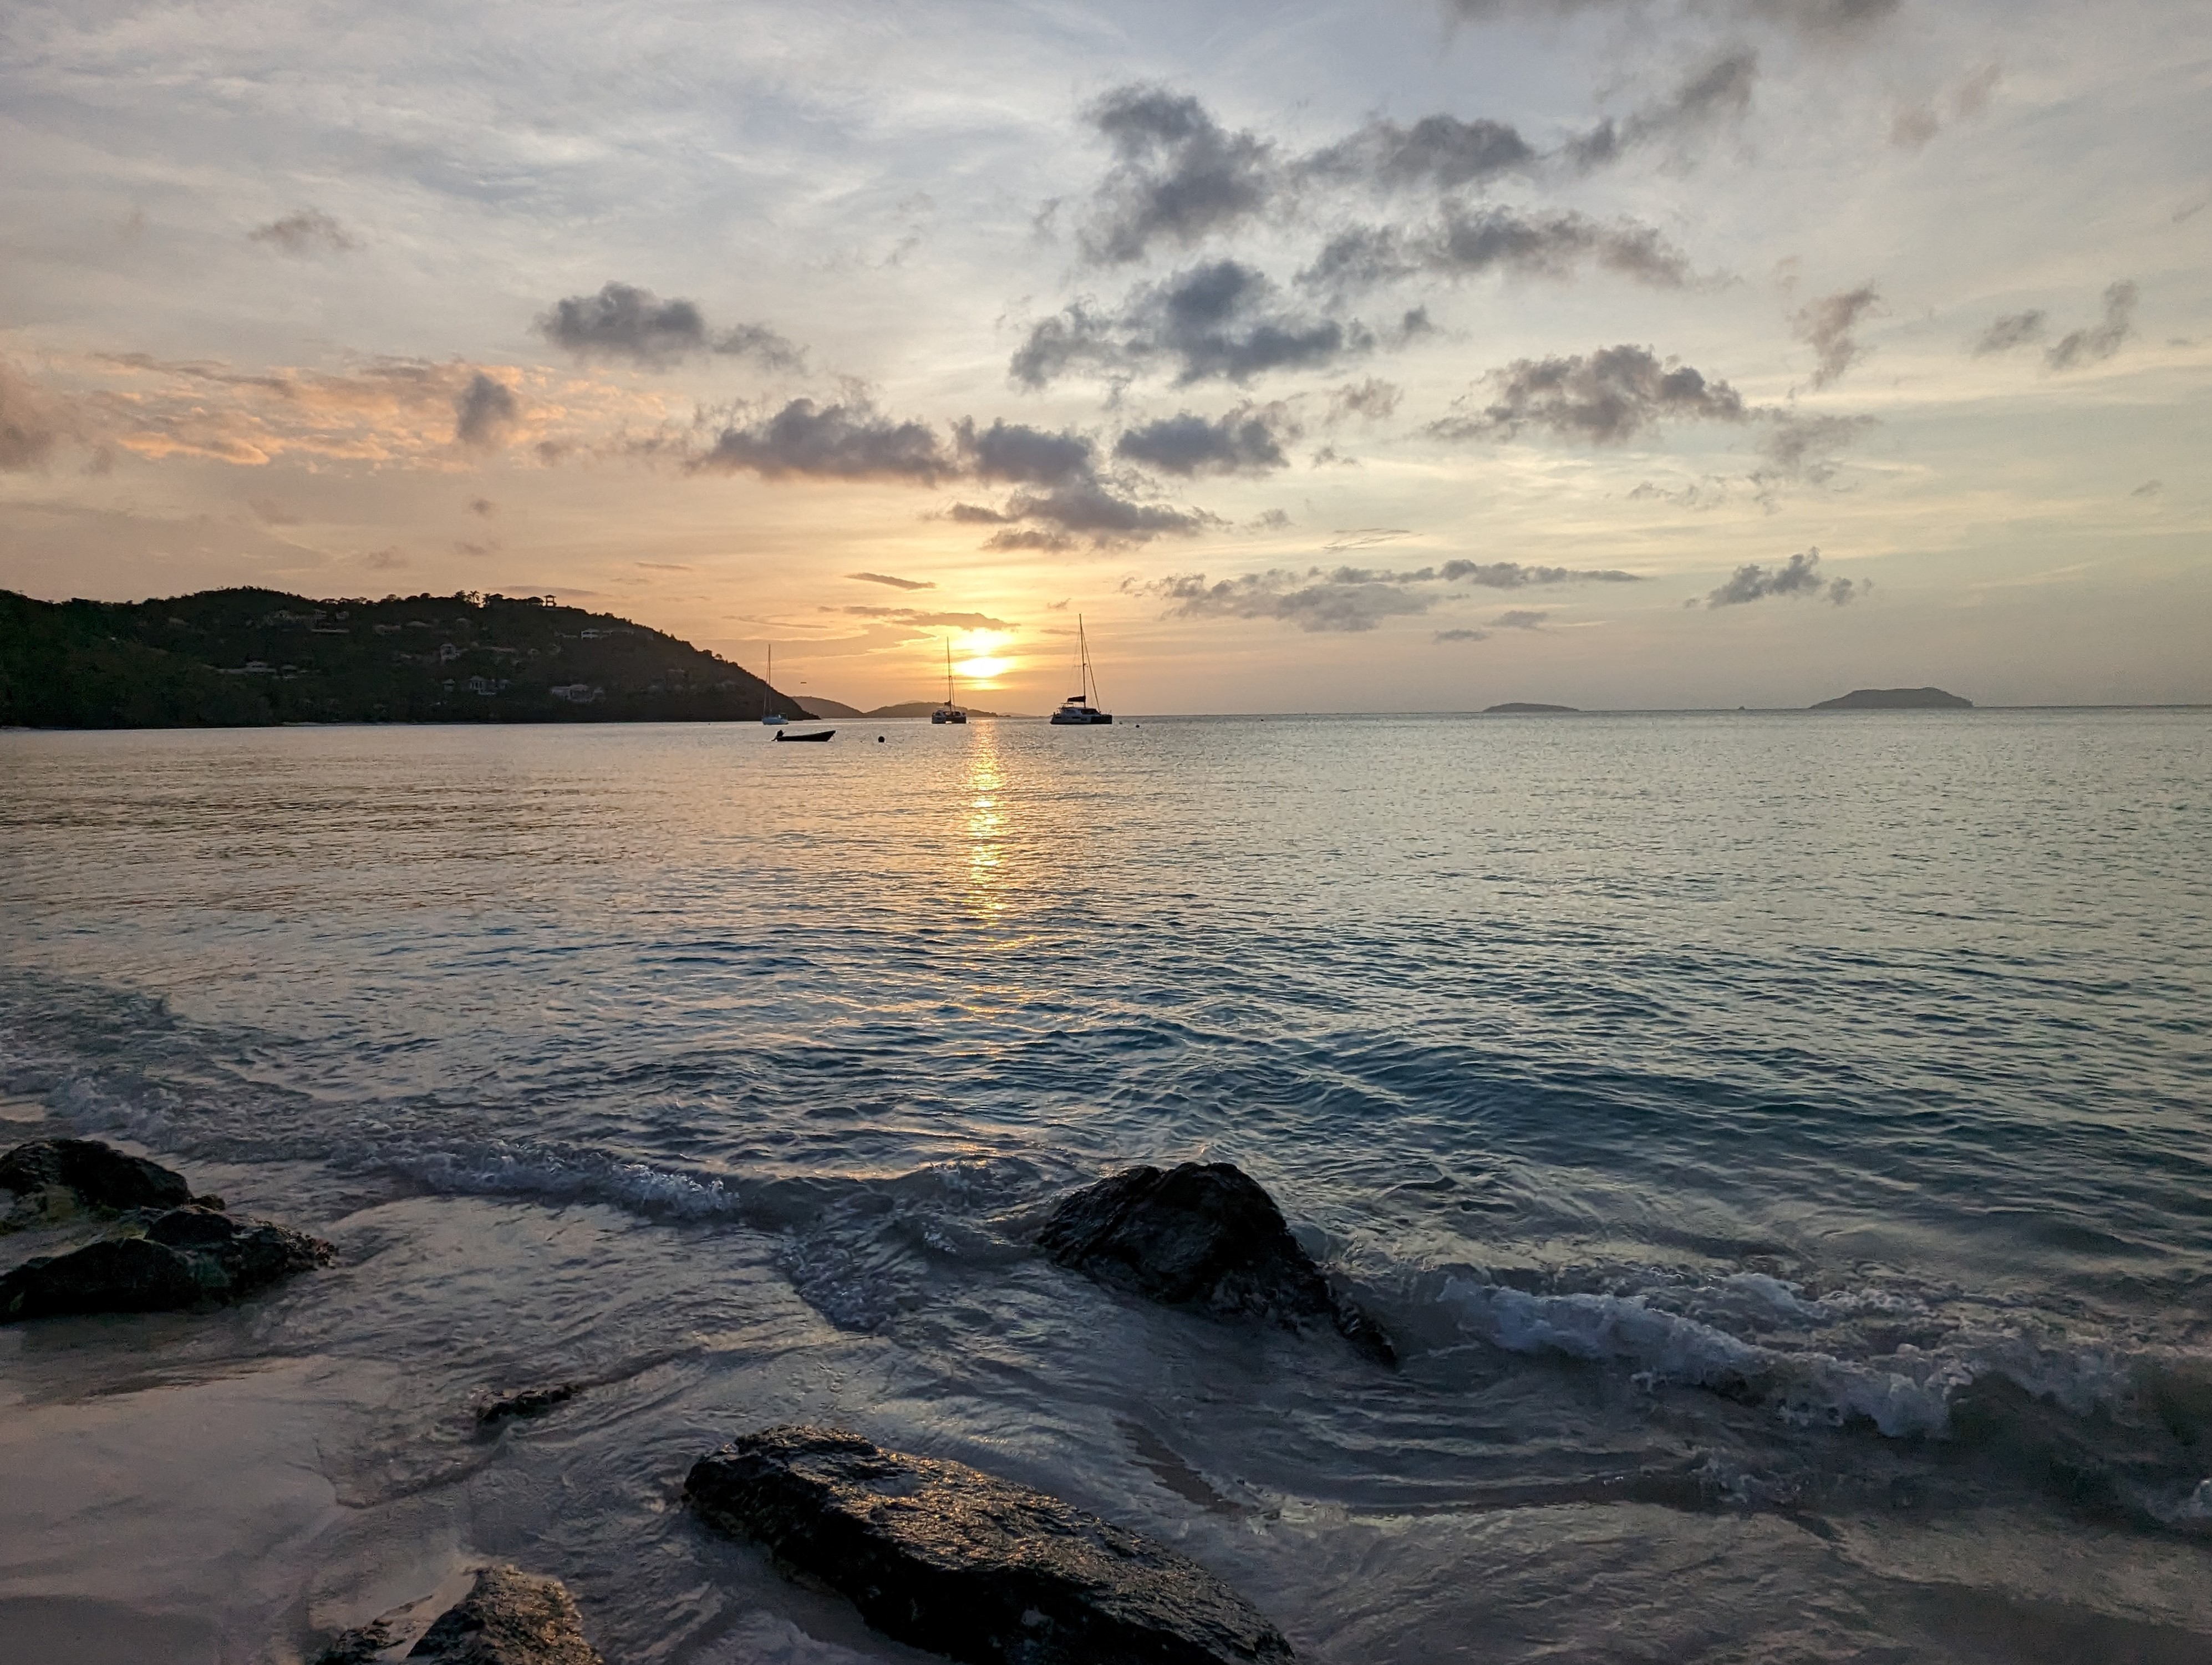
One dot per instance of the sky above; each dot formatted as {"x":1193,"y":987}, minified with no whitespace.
{"x":1405,"y":355}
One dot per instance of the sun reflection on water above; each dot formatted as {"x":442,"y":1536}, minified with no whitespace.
{"x":985,"y":824}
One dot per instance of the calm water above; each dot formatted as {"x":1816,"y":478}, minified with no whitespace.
{"x":1781,"y":1145}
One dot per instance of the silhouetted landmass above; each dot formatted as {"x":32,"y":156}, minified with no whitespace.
{"x":922,"y":708}
{"x":814,"y":707}
{"x":237,"y":657}
{"x":1896,"y":699}
{"x":1513,"y":705}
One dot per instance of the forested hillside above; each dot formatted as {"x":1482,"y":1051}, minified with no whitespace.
{"x":237,"y":657}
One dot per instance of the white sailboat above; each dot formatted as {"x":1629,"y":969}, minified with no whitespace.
{"x":1080,"y":710}
{"x":948,"y":713}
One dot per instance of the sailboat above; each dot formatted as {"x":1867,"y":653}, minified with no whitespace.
{"x":770,"y":719}
{"x":948,"y":713}
{"x":1078,"y":711}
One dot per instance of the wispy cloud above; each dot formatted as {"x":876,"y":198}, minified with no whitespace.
{"x":1607,"y":398}
{"x":1828,"y":325}
{"x":2098,"y":342}
{"x":1795,"y":578}
{"x":303,"y":232}
{"x":893,"y":583}
{"x":1352,"y":599}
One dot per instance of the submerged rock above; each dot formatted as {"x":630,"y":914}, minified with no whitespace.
{"x":1202,"y":1234}
{"x":523,"y":1403}
{"x":83,"y":1172}
{"x":186,"y":1258}
{"x":509,"y":1618}
{"x":948,"y":1558}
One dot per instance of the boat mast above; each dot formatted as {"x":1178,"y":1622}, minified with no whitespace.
{"x":948,"y":673}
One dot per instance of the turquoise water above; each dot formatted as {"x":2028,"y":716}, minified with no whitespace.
{"x":1779,"y":1142}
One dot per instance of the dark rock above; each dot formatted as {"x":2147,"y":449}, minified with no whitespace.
{"x":510,"y":1618}
{"x":187,"y":1257}
{"x":93,"y":1175}
{"x":523,"y":1402}
{"x":948,"y":1558}
{"x":1202,"y":1234}
{"x":357,"y":1647}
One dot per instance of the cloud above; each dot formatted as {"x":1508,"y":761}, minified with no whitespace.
{"x":32,"y":423}
{"x":1245,"y":440}
{"x":1607,"y":398}
{"x":1219,"y":320}
{"x":2100,"y":341}
{"x":1797,"y":577}
{"x":1721,"y":90}
{"x":1466,"y":242}
{"x":1090,"y":509}
{"x":849,"y":440}
{"x":1015,"y":453}
{"x":622,"y":321}
{"x":484,"y":413}
{"x":1806,"y":448}
{"x":2013,"y":329}
{"x":1820,"y":21}
{"x":1520,"y":619}
{"x":1371,"y":400}
{"x":1462,"y":635}
{"x":1437,"y":152}
{"x":1350,"y":599}
{"x":1827,"y":325}
{"x":303,"y":232}
{"x":2148,"y":488}
{"x":483,"y":506}
{"x":1179,"y":175}
{"x":929,"y":621}
{"x":1917,"y":124}
{"x":894,"y":583}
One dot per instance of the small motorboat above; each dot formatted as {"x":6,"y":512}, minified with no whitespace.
{"x":811,"y":734}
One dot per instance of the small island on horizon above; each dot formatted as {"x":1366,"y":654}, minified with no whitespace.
{"x":1524,"y":708}
{"x":1896,"y":699}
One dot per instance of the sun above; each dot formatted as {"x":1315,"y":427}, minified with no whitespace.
{"x":982,"y":670}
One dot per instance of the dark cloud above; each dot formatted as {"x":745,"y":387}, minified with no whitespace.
{"x":1607,"y":398}
{"x":31,"y":423}
{"x":1179,"y":175}
{"x":1312,"y":604}
{"x":894,"y":583}
{"x":1090,"y":509}
{"x":1018,"y":454}
{"x":974,"y":515}
{"x":2099,"y":341}
{"x":1520,"y":619}
{"x":1462,"y":635}
{"x":1437,"y":152}
{"x":1371,"y":400}
{"x":1351,"y":599}
{"x":1827,"y":325}
{"x":1797,"y":577}
{"x":624,"y":321}
{"x":483,"y":506}
{"x":1245,"y":440}
{"x":484,"y":413}
{"x":1217,"y":321}
{"x":305,"y":231}
{"x":842,"y":441}
{"x":2148,"y":488}
{"x":2013,"y":329}
{"x":1466,"y":242}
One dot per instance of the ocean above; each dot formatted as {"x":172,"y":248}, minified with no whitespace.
{"x":1779,"y":1144}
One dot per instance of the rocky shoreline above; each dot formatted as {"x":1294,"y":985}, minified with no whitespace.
{"x":932,"y":1554}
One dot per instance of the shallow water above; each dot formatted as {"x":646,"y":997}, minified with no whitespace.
{"x":1779,"y":1142}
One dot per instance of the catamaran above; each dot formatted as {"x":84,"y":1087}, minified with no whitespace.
{"x":948,"y":713}
{"x":1080,"y":709}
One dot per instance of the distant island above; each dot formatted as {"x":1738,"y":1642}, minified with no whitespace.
{"x":245,"y":657}
{"x":923,"y":708}
{"x":1522,"y":707}
{"x":1896,"y":699}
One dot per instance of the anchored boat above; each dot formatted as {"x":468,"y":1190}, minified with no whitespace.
{"x":948,"y":713}
{"x":1080,"y":709}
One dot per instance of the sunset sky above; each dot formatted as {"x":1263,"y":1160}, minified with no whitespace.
{"x":1414,"y":355}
